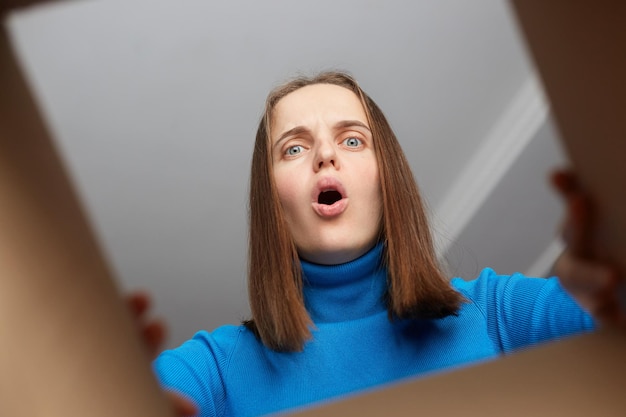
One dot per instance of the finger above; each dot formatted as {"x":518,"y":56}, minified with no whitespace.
{"x":183,"y":406}
{"x":138,"y":302}
{"x":154,"y":334}
{"x":565,"y":181}
{"x":607,"y":310}
{"x":585,"y":278}
{"x":579,"y":225}
{"x":593,"y":285}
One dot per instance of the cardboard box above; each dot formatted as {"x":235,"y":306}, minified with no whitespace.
{"x":580,"y":376}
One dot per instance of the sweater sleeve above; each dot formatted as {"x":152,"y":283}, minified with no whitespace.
{"x":197,"y":368}
{"x":522,"y":311}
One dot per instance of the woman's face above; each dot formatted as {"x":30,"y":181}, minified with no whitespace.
{"x":326,"y":173}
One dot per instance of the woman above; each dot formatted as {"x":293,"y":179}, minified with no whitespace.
{"x":345,"y":289}
{"x":317,"y":331}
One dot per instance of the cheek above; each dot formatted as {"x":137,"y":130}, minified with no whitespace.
{"x":374,"y":189}
{"x":375,"y":199}
{"x":289,"y":192}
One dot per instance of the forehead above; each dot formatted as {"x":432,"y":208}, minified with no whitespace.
{"x":317,"y":103}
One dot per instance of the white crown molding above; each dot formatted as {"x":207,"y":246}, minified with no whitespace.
{"x":544,"y":263}
{"x":507,"y":139}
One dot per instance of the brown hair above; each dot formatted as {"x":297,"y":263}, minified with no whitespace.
{"x":417,"y":287}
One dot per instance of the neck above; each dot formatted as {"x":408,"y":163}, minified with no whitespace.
{"x":347,"y":291}
{"x":336,"y":257}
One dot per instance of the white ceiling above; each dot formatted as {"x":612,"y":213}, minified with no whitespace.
{"x":155,"y":104}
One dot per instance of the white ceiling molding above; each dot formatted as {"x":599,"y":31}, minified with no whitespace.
{"x":543,"y":265}
{"x":516,"y":128}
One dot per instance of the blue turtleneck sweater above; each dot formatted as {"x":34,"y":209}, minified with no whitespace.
{"x":229,"y":372}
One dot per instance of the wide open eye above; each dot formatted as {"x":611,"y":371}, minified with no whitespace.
{"x":329,"y":197}
{"x":294,"y":150}
{"x":353,"y":142}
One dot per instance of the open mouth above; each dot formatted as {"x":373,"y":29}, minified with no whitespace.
{"x":329,"y":197}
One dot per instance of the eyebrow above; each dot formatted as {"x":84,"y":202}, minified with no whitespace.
{"x":291,"y":132}
{"x":301,"y":129}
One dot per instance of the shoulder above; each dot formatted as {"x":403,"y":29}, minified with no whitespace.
{"x":488,"y":278}
{"x":205,"y":348}
{"x":490,"y":286}
{"x":475,"y":288}
{"x":464,"y":285}
{"x":199,"y":366}
{"x":223,"y":335}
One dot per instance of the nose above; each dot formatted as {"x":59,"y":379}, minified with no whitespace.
{"x":326,"y":156}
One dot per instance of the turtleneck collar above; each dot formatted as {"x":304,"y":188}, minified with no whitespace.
{"x":349,"y":291}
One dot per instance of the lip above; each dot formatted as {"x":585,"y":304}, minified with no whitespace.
{"x":332,"y":210}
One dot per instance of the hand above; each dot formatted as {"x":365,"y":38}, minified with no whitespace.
{"x":152,"y":332}
{"x":582,"y":269}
